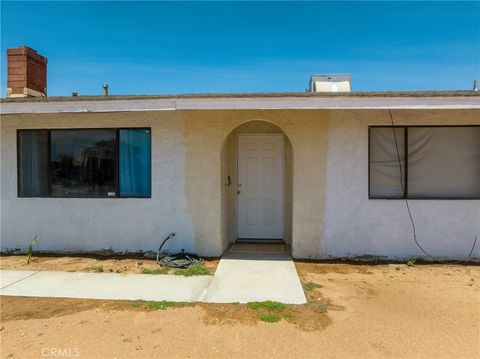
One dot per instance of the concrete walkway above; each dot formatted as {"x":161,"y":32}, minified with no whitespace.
{"x":103,"y":285}
{"x":236,"y":280}
{"x":248,"y":278}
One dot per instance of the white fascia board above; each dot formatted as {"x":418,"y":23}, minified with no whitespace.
{"x":250,"y":103}
{"x":86,"y":106}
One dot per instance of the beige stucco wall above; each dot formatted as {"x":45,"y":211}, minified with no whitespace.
{"x":355,"y":225}
{"x":331,"y":212}
{"x":229,"y":168}
{"x":100,"y":223}
{"x":206,"y":132}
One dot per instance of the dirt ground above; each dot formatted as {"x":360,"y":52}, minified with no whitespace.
{"x":86,"y":264}
{"x":354,"y":311}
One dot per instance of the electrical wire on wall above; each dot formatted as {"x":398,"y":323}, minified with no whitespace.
{"x":414,"y":230}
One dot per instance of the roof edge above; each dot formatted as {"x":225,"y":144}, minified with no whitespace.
{"x":120,"y":104}
{"x":253,"y":95}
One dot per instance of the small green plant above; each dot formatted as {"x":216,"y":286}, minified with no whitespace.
{"x":269,"y":318}
{"x":155,"y":271}
{"x":321,"y":307}
{"x":164,"y":304}
{"x":311,"y":286}
{"x":267,"y":305}
{"x":137,"y":303}
{"x":30,"y":248}
{"x":193,"y":270}
{"x":411,"y":262}
{"x":107,"y":252}
{"x":96,"y":269}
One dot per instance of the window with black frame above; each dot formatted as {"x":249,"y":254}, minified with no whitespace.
{"x":424,"y":162}
{"x":84,"y":163}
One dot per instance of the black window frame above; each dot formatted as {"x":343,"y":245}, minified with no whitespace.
{"x":405,"y":174}
{"x":117,"y":162}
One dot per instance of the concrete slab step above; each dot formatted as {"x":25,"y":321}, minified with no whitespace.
{"x":247,"y":278}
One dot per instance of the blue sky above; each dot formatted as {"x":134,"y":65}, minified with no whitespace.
{"x":185,"y":47}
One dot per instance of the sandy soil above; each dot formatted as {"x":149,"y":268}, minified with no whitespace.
{"x":85,"y":264}
{"x":360,"y":311}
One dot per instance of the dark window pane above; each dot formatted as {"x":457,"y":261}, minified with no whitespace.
{"x":135,"y":158}
{"x":384,"y":167}
{"x":33,"y":163}
{"x":83,"y":163}
{"x":444,"y":162}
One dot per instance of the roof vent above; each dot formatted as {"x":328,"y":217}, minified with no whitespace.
{"x":330,"y":83}
{"x":105,"y":89}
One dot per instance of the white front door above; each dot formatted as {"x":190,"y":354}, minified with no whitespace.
{"x":260,"y":186}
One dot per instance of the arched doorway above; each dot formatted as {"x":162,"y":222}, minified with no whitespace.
{"x":256,"y":184}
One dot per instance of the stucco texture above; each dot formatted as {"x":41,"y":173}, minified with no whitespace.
{"x":229,"y":171}
{"x":331,"y":215}
{"x":75,"y":224}
{"x":206,"y":132}
{"x":356,"y":226}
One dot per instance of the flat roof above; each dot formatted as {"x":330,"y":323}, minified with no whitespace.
{"x":250,"y":95}
{"x":232,"y":101}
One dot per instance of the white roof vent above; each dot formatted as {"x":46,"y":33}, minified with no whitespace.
{"x":330,"y":83}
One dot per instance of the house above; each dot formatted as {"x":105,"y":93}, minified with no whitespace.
{"x":328,"y":173}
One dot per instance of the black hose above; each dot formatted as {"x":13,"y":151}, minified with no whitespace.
{"x":177,"y":260}
{"x":414,"y":230}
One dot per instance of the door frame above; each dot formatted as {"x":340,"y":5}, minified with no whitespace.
{"x":282,"y":135}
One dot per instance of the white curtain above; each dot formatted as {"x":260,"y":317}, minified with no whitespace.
{"x":384,"y":167}
{"x":33,"y":163}
{"x":444,"y":162}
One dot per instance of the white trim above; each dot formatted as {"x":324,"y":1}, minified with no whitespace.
{"x":242,"y":103}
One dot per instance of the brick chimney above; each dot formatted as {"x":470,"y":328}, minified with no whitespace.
{"x":27,"y":73}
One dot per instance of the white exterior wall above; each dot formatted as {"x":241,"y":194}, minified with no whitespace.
{"x":331,"y":216}
{"x":358,"y":226}
{"x":89,"y":224}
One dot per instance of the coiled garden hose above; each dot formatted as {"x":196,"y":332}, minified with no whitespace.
{"x":177,"y":260}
